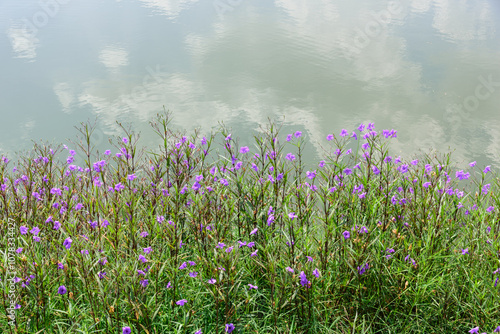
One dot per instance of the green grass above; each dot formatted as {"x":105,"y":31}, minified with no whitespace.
{"x":427,"y":284}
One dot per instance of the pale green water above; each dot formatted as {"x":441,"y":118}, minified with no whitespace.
{"x":416,"y":66}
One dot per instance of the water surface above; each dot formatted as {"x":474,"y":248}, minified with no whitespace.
{"x":430,"y":69}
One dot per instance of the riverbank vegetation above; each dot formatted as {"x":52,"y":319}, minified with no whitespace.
{"x":206,"y":236}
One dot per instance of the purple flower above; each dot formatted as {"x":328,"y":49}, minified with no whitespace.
{"x":142,"y":259}
{"x":144,"y":234}
{"x":290,"y":270}
{"x":147,"y":250}
{"x":192,"y":263}
{"x":303,"y":279}
{"x":183,"y":265}
{"x":131,"y":177}
{"x":290,"y":157}
{"x":316,"y":272}
{"x":329,"y":137}
{"x":220,"y":245}
{"x":212,"y":281}
{"x":126,"y":330}
{"x":181,"y":302}
{"x":347,"y":171}
{"x":229,"y":328}
{"x":144,"y":283}
{"x":193,"y":274}
{"x":426,"y":184}
{"x":198,"y":332}
{"x":346,"y":234}
{"x":250,"y":287}
{"x":490,"y":209}
{"x":19,"y":250}
{"x":363,"y":269}
{"x":365,"y":146}
{"x":289,"y":137}
{"x":472,"y":164}
{"x":242,"y":243}
{"x":474,"y":330}
{"x":254,"y":231}
{"x":292,"y":215}
{"x":244,"y":150}
{"x":487,"y":169}
{"x":254,"y":253}
{"x":67,"y":243}
{"x":60,"y":266}
{"x":344,"y":133}
{"x":23,"y":229}
{"x":465,"y":251}
{"x":62,"y":290}
{"x":298,"y":134}
{"x":229,"y":249}
{"x":461,"y":175}
{"x":311,"y":175}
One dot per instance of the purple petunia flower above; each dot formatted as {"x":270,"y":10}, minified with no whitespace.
{"x":303,"y":279}
{"x":181,"y":302}
{"x":250,"y":287}
{"x":346,"y":234}
{"x":23,"y":230}
{"x":62,"y":290}
{"x":292,"y":215}
{"x":212,"y":281}
{"x":474,"y":330}
{"x":486,"y":169}
{"x":363,"y":269}
{"x":229,"y":328}
{"x":67,"y":243}
{"x":183,"y":265}
{"x":254,"y":231}
{"x":298,"y":134}
{"x":316,"y":272}
{"x":329,"y":137}
{"x":289,"y":269}
{"x":193,"y":274}
{"x":311,"y":175}
{"x":126,"y":330}
{"x":244,"y":150}
{"x":142,"y":259}
{"x":465,"y":251}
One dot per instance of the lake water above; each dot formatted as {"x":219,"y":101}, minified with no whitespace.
{"x":429,"y":69}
